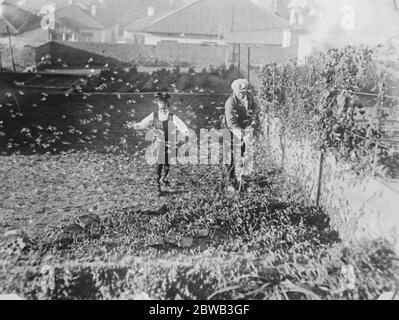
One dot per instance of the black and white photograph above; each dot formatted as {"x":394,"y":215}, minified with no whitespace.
{"x":214,"y":152}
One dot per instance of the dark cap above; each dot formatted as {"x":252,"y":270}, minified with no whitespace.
{"x":162,"y":96}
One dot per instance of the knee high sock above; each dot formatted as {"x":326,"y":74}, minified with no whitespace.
{"x":167,"y":168}
{"x":159,"y":169}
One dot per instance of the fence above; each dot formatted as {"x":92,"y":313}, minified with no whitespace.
{"x":361,"y":204}
{"x":391,"y":147}
{"x":23,"y":57}
{"x":391,"y":144}
{"x":360,"y":207}
{"x":166,"y":54}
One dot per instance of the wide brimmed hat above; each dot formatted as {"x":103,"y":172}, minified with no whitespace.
{"x":240,"y":85}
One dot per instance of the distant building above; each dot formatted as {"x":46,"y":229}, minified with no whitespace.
{"x":117,"y":14}
{"x":73,"y":23}
{"x":210,"y":22}
{"x":81,"y":20}
{"x":16,"y":19}
{"x":135,"y":32}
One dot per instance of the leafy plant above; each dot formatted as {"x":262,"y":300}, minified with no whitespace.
{"x":323,"y":100}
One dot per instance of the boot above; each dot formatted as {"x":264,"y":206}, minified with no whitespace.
{"x":165,"y":182}
{"x":241,"y":185}
{"x":159,"y":187}
{"x":159,"y":192}
{"x":232,"y":186}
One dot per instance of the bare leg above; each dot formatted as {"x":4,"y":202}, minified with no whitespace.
{"x":159,"y":169}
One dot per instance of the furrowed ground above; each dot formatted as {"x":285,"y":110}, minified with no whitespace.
{"x":83,"y":221}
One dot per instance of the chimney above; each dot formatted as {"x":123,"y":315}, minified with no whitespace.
{"x":93,"y":10}
{"x":150,"y":11}
{"x":275,"y":6}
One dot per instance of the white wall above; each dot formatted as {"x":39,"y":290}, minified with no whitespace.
{"x":359,"y":207}
{"x":151,"y":39}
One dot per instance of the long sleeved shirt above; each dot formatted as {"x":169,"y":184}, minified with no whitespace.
{"x":148,"y":122}
{"x":237,"y":115}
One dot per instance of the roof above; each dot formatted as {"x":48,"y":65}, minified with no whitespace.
{"x":124,"y":12}
{"x":268,"y":37}
{"x":209,"y":17}
{"x":141,"y":24}
{"x":17,"y":19}
{"x":35,"y":5}
{"x":116,"y":12}
{"x":75,"y":54}
{"x":74,"y":17}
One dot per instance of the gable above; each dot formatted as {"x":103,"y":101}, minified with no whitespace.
{"x":74,"y":17}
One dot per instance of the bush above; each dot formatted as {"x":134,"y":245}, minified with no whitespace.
{"x":319,"y":101}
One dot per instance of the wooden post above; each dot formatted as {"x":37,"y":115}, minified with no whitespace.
{"x":227,"y":54}
{"x":239,"y":60}
{"x":320,"y":178}
{"x":283,"y":145}
{"x":12,"y":51}
{"x":380,"y":103}
{"x":273,"y":84}
{"x":375,"y":161}
{"x":249,"y":63}
{"x":234,"y":57}
{"x":1,"y":63}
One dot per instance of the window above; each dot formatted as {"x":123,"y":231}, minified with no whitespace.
{"x":87,"y":36}
{"x":286,"y":38}
{"x":139,"y":39}
{"x":68,"y":37}
{"x":221,"y":32}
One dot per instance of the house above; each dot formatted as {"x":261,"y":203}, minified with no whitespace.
{"x":117,"y":14}
{"x":91,"y":20}
{"x":36,"y":5}
{"x":135,"y":31}
{"x":16,"y":19}
{"x":73,"y":23}
{"x":208,"y":22}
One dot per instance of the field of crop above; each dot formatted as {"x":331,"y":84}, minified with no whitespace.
{"x":80,"y":218}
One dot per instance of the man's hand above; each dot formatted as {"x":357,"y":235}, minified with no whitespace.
{"x":247,"y":138}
